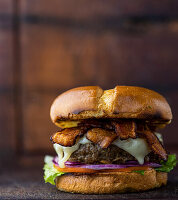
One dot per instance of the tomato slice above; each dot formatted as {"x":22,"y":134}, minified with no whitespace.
{"x":84,"y":170}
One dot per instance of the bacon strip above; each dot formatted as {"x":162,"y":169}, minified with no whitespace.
{"x":105,"y":124}
{"x":102,"y":137}
{"x":125,"y":129}
{"x":154,"y":143}
{"x":68,"y":137}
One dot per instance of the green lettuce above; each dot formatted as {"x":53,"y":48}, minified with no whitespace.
{"x":50,"y":173}
{"x":168,"y":165}
{"x":139,"y":171}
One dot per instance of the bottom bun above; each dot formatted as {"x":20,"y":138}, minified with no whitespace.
{"x":113,"y":182}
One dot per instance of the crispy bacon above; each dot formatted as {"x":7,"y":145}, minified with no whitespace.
{"x":102,"y":137}
{"x":154,"y":143}
{"x":68,"y":137}
{"x":125,"y":129}
{"x":105,"y":124}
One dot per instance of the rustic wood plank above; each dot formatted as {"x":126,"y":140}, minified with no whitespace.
{"x":54,"y":59}
{"x":7,"y":111}
{"x":6,"y":44}
{"x":85,"y":9}
{"x":147,"y":58}
{"x":6,"y":58}
{"x":6,"y":7}
{"x":170,"y":132}
{"x":59,"y":58}
{"x":7,"y":125}
{"x":37,"y":126}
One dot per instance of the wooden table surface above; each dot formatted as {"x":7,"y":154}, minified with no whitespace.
{"x":27,"y":182}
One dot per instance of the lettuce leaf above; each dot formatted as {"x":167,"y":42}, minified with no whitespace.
{"x":168,"y":165}
{"x":139,"y":171}
{"x":50,"y":173}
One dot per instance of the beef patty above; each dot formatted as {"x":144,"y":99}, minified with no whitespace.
{"x":93,"y":154}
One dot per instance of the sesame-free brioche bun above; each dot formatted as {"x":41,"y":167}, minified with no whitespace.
{"x":120,"y":102}
{"x":112,"y":182}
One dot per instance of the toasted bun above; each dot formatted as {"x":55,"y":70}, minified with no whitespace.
{"x":113,"y":182}
{"x":120,"y":102}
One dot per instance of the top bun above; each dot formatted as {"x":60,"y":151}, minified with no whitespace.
{"x":121,"y":102}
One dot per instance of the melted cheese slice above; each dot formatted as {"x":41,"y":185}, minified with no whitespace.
{"x":67,"y":124}
{"x":64,"y":153}
{"x":159,"y":136}
{"x":138,"y":148}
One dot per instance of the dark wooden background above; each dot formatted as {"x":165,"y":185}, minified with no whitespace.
{"x":47,"y":47}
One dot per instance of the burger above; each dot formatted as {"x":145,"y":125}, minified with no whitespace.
{"x":108,"y":141}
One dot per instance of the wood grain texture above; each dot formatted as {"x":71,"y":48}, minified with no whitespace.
{"x":7,"y":125}
{"x":6,"y":59}
{"x":6,"y":43}
{"x":6,"y":7}
{"x":59,"y":58}
{"x":7,"y":110}
{"x":37,"y":126}
{"x":170,"y":132}
{"x":84,"y":9}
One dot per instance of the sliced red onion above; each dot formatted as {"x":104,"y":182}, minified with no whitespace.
{"x":132,"y":162}
{"x":55,"y":160}
{"x":78,"y":163}
{"x":99,"y":167}
{"x":73,"y":163}
{"x":112,"y":166}
{"x":152,"y":164}
{"x":105,"y":166}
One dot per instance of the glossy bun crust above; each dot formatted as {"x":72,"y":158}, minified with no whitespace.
{"x":120,"y":102}
{"x":113,"y":182}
